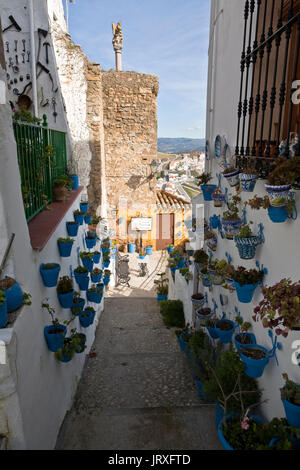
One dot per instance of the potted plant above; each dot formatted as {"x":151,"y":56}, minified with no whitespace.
{"x":72,"y":228}
{"x":218,"y":197}
{"x":91,"y":240}
{"x":13,"y":293}
{"x":201,"y":258}
{"x":205,"y":277}
{"x":80,"y":273}
{"x":94,"y":295}
{"x":247,"y":242}
{"x":84,"y":206}
{"x":290,"y":396}
{"x":276,"y":214}
{"x":87,"y":317}
{"x":281,"y":179}
{"x":161,"y":286}
{"x":248,"y":179}
{"x":207,"y":189}
{"x":204,"y":313}
{"x":75,"y":181}
{"x":170,"y":248}
{"x":60,"y":189}
{"x":209,"y":324}
{"x":232,"y":176}
{"x":79,"y":216}
{"x":67,"y":351}
{"x":78,"y":304}
{"x":94,"y":222}
{"x":106,"y":260}
{"x":280,"y":307}
{"x":87,"y":260}
{"x":106,"y":277}
{"x":142,"y":253}
{"x":225,"y":329}
{"x":246,"y":281}
{"x":183,"y":337}
{"x":79,"y":339}
{"x":198,"y":300}
{"x":65,"y":246}
{"x":243,"y":337}
{"x":88,"y":218}
{"x":218,"y":277}
{"x":149,"y":248}
{"x":3,"y":310}
{"x":185,"y":272}
{"x":231,"y":222}
{"x":96,"y":275}
{"x":49,"y":273}
{"x":96,"y":257}
{"x":131,"y":247}
{"x":65,"y":292}
{"x":54,"y":333}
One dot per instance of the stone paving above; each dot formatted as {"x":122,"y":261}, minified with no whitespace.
{"x":137,"y":392}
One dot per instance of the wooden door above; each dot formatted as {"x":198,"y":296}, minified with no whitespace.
{"x":164,"y":230}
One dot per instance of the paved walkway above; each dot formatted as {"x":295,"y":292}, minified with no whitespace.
{"x":137,"y":393}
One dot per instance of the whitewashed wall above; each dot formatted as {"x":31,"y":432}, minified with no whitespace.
{"x":280,"y":254}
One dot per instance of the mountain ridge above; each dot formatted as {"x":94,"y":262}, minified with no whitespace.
{"x":180,"y":144}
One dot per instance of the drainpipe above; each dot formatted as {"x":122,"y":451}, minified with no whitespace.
{"x":33,"y":65}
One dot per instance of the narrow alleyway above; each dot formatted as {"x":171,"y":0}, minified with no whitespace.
{"x":137,"y":393}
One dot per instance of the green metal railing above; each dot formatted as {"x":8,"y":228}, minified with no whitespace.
{"x":42,"y":158}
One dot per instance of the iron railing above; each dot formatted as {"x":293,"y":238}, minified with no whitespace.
{"x":42,"y":158}
{"x":270,"y":65}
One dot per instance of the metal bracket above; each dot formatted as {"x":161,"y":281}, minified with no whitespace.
{"x":261,"y":233}
{"x":261,"y":268}
{"x":294,"y":214}
{"x":275,"y":346}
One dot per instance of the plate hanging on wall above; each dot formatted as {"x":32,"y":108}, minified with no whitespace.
{"x":218,"y":147}
{"x":207,"y":153}
{"x":220,"y":151}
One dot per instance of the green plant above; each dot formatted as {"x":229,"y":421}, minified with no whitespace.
{"x":26,"y":298}
{"x":62,"y":181}
{"x":78,"y":212}
{"x":96,"y":271}
{"x":107,"y":273}
{"x":172,"y":313}
{"x":2,"y":297}
{"x":96,"y":219}
{"x":24,"y":115}
{"x":245,"y":231}
{"x":244,"y":327}
{"x":106,"y":257}
{"x":86,"y":254}
{"x":218,"y":266}
{"x":161,"y":284}
{"x":79,"y":340}
{"x":201,"y":257}
{"x":243,"y":276}
{"x":65,"y":285}
{"x":205,"y":356}
{"x":286,"y":171}
{"x":280,"y":307}
{"x":81,"y":270}
{"x":233,"y":209}
{"x":68,"y":349}
{"x":49,"y":266}
{"x":204,"y":179}
{"x":51,"y":311}
{"x":291,"y":391}
{"x":65,"y":240}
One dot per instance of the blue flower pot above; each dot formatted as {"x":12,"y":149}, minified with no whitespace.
{"x":206,"y":280}
{"x":90,"y":242}
{"x":212,"y":332}
{"x":245,"y":293}
{"x":142,"y":257}
{"x":149,"y":250}
{"x":88,"y":263}
{"x":75,"y":181}
{"x":96,"y":258}
{"x":96,"y":278}
{"x":79,"y":219}
{"x":100,"y":287}
{"x":233,"y":178}
{"x":3,"y":314}
{"x":66,"y":300}
{"x":207,"y":191}
{"x":79,"y":277}
{"x":84,"y":283}
{"x":14,"y":297}
{"x":225,"y":336}
{"x":131,"y":248}
{"x":170,"y":249}
{"x":106,"y":280}
{"x":105,"y":250}
{"x":88,"y":219}
{"x":231,"y":228}
{"x":67,"y":356}
{"x":78,"y":305}
{"x":278,"y":215}
{"x":225,"y":444}
{"x":82,"y":342}
{"x":72,"y":229}
{"x":161,"y":297}
{"x":247,"y":246}
{"x":214,"y":222}
{"x":219,"y":199}
{"x":292,"y":413}
{"x":50,"y":276}
{"x":94,"y":297}
{"x":65,"y":249}
{"x":278,"y":192}
{"x":181,"y":263}
{"x":248,"y":182}
{"x":254,"y":368}
{"x":84,"y":207}
{"x":55,"y":341}
{"x":203,"y":317}
{"x":239,"y":345}
{"x":86,"y":318}
{"x":174,"y":269}
{"x":106,"y":264}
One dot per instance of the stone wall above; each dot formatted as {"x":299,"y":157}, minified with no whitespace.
{"x":130,"y":125}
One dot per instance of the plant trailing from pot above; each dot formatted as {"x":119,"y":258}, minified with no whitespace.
{"x":79,"y":339}
{"x":49,"y":273}
{"x":231,"y":221}
{"x":54,"y":333}
{"x":243,"y":337}
{"x":232,"y":176}
{"x":3,"y":310}
{"x":246,"y":281}
{"x":290,"y":396}
{"x":280,"y":307}
{"x":65,"y":292}
{"x":65,"y":246}
{"x":172,"y":313}
{"x":207,"y":189}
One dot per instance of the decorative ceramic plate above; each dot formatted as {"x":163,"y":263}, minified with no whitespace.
{"x":207,"y":153}
{"x":218,"y":147}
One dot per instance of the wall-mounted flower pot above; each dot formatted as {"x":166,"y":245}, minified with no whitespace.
{"x":161,"y":297}
{"x":212,"y":332}
{"x":218,"y":280}
{"x":149,"y":250}
{"x":79,"y":277}
{"x":86,"y":318}
{"x":78,"y":307}
{"x":247,"y":246}
{"x":206,"y":280}
{"x":84,"y":207}
{"x":233,"y":178}
{"x":199,"y":300}
{"x":106,"y":280}
{"x":142,"y":256}
{"x":81,"y":338}
{"x":170,"y":249}
{"x":207,"y":190}
{"x":50,"y":276}
{"x":75,"y":181}
{"x":65,"y":249}
{"x":106,"y":264}
{"x":231,"y":228}
{"x":3,"y":314}
{"x":131,"y":248}
{"x":13,"y":295}
{"x":224,"y":442}
{"x":96,"y":258}
{"x":219,"y":199}
{"x":88,"y":219}
{"x":248,"y":182}
{"x":278,"y":195}
{"x":94,"y":297}
{"x":54,"y":336}
{"x":90,"y":242}
{"x":100,"y":287}
{"x":105,"y":250}
{"x":84,"y":283}
{"x":204,"y":313}
{"x":66,"y":300}
{"x":79,"y":218}
{"x":225,"y":330}
{"x":72,"y":229}
{"x":278,"y":215}
{"x":67,"y":352}
{"x":181,"y":263}
{"x":292,"y":413}
{"x":248,"y":338}
{"x":96,"y":278}
{"x":255,"y":364}
{"x":88,"y":263}
{"x":245,"y":293}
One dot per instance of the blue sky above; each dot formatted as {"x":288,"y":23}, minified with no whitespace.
{"x":167,"y":38}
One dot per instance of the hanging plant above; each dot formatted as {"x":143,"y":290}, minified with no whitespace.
{"x":276,"y":214}
{"x":232,"y":176}
{"x":207,"y":189}
{"x":248,"y":179}
{"x":246,"y":241}
{"x":218,"y":197}
{"x":246,"y":281}
{"x":231,"y":221}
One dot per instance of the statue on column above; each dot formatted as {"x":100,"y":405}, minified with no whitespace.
{"x":118,"y":37}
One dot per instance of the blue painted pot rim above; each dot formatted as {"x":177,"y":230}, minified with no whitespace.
{"x":240,"y":345}
{"x":230,"y":175}
{"x":278,"y":189}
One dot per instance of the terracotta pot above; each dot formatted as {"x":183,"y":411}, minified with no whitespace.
{"x":59,"y":193}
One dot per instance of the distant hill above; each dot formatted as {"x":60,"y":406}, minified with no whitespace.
{"x":168,"y":145}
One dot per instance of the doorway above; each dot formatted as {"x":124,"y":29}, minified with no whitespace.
{"x":164,"y":230}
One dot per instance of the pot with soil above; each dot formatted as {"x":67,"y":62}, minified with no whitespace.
{"x":255,"y":358}
{"x":54,"y":336}
{"x":204,"y":313}
{"x":198,"y":300}
{"x":243,"y":339}
{"x":225,"y":330}
{"x":72,"y":228}
{"x":50,"y":273}
{"x":13,"y":293}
